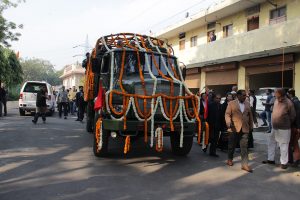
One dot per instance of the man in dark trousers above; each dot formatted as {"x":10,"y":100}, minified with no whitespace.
{"x":62,"y":102}
{"x":239,"y":122}
{"x":2,"y":101}
{"x":80,"y":104}
{"x":41,"y":106}
{"x":215,"y":123}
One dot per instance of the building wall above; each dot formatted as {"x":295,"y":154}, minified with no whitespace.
{"x":265,"y":40}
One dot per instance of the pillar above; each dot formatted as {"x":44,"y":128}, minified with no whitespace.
{"x":202,"y":80}
{"x":297,"y":77}
{"x":242,"y":78}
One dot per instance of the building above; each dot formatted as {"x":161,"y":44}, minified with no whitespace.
{"x":252,"y":44}
{"x":73,"y":75}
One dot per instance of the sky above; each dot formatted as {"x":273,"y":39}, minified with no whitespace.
{"x":53,"y":27}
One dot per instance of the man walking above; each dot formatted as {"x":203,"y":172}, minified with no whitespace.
{"x":282,"y":118}
{"x":80,"y":104}
{"x":41,"y":106}
{"x":72,"y":98}
{"x":268,"y":111}
{"x":215,"y":123}
{"x":62,"y":102}
{"x":239,"y":122}
{"x":294,"y":151}
{"x":3,"y":99}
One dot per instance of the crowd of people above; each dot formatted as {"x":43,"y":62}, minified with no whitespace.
{"x":68,"y":102}
{"x":231,"y":124}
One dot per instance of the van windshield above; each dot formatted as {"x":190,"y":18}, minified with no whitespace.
{"x":33,"y":87}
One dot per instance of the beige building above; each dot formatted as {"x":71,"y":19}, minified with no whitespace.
{"x":252,"y":44}
{"x":73,"y":75}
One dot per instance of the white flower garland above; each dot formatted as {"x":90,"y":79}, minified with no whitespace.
{"x":101,"y":138}
{"x":159,"y":134}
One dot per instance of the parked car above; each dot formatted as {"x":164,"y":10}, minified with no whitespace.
{"x":261,"y":97}
{"x":27,"y":100}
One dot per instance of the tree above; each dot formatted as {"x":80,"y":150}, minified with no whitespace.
{"x":10,"y":68}
{"x":40,"y":70}
{"x":8,"y":28}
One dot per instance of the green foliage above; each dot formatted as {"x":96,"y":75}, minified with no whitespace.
{"x":10,"y":68}
{"x":40,"y":70}
{"x":8,"y":28}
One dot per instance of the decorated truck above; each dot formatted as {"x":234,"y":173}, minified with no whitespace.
{"x":135,"y":88}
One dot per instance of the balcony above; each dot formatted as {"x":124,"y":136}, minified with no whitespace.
{"x":266,"y":41}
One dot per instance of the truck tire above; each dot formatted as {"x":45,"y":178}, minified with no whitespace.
{"x":103,"y":152}
{"x":175,"y":144}
{"x":105,"y":139}
{"x":22,"y":112}
{"x":90,"y":117}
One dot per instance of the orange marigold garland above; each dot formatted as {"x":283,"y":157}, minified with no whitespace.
{"x":127,"y":145}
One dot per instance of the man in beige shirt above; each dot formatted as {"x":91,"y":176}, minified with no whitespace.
{"x":72,"y":98}
{"x":239,"y":121}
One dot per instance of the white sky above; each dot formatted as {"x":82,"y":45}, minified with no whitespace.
{"x":53,"y":27}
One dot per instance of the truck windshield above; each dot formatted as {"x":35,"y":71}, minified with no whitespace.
{"x":132,"y":68}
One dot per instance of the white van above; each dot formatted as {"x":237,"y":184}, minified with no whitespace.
{"x":27,"y":100}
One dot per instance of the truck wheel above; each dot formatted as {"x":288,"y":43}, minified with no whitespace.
{"x":104,"y":150}
{"x":175,"y":144}
{"x":90,"y":117}
{"x":22,"y":112}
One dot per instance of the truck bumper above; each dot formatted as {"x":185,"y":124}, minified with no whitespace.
{"x":135,"y":127}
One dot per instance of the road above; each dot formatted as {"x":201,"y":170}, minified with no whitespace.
{"x":54,"y":161}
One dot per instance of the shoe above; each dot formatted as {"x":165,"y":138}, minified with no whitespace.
{"x":268,"y":162}
{"x":77,"y":120}
{"x":283,"y":166}
{"x":268,"y":131}
{"x":5,"y":114}
{"x":229,"y":163}
{"x":33,"y":121}
{"x":264,"y":124}
{"x":247,"y":169}
{"x":65,"y":118}
{"x":214,"y":155}
{"x":204,"y":150}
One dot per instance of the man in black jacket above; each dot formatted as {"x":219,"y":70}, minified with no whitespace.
{"x":80,"y":104}
{"x":215,"y":123}
{"x":3,"y":98}
{"x":41,"y":106}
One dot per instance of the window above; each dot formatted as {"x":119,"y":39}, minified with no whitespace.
{"x":211,"y":25}
{"x":253,"y":23}
{"x":34,"y":87}
{"x":181,"y":44}
{"x":211,"y":36}
{"x":193,"y":41}
{"x":278,"y":15}
{"x":227,"y":30}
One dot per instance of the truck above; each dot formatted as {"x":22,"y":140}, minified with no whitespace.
{"x":134,"y":87}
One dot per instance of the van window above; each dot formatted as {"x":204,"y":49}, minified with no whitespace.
{"x":33,"y":87}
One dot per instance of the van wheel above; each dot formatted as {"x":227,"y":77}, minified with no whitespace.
{"x":175,"y":144}
{"x":22,"y":112}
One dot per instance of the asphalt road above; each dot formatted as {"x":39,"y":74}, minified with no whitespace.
{"x":54,"y":161}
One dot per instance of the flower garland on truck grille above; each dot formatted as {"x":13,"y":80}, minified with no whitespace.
{"x":171,"y":112}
